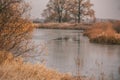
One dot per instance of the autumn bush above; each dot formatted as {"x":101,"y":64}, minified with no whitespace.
{"x":15,"y":27}
{"x":103,"y":32}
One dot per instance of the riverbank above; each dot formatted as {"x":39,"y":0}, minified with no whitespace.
{"x":15,"y":69}
{"x":101,"y":32}
{"x":71,"y":26}
{"x":104,"y":33}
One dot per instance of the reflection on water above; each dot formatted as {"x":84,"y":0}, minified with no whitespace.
{"x":119,"y":70}
{"x":66,"y":48}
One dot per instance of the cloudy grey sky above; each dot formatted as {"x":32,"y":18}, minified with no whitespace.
{"x":103,"y":8}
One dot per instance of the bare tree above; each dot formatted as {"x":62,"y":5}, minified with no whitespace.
{"x":55,"y":9}
{"x":15,"y":27}
{"x":82,"y":9}
{"x":67,"y":10}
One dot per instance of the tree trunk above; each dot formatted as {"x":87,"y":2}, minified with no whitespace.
{"x":60,"y":18}
{"x":79,"y":13}
{"x":59,"y":15}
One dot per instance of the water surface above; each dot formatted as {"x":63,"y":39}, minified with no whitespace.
{"x":64,"y":47}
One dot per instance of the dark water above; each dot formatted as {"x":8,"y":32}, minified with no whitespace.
{"x":64,"y":47}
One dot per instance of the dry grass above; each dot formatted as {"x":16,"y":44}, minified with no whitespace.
{"x":15,"y":69}
{"x":103,"y":33}
{"x":116,"y":26}
{"x":62,"y":26}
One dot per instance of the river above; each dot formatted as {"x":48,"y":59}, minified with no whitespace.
{"x":65,"y":48}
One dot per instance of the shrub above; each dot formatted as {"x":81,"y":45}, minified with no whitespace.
{"x":15,"y":27}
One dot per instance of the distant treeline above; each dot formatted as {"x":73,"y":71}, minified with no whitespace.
{"x":69,"y":11}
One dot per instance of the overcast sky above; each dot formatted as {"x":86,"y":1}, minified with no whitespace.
{"x":103,"y":8}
